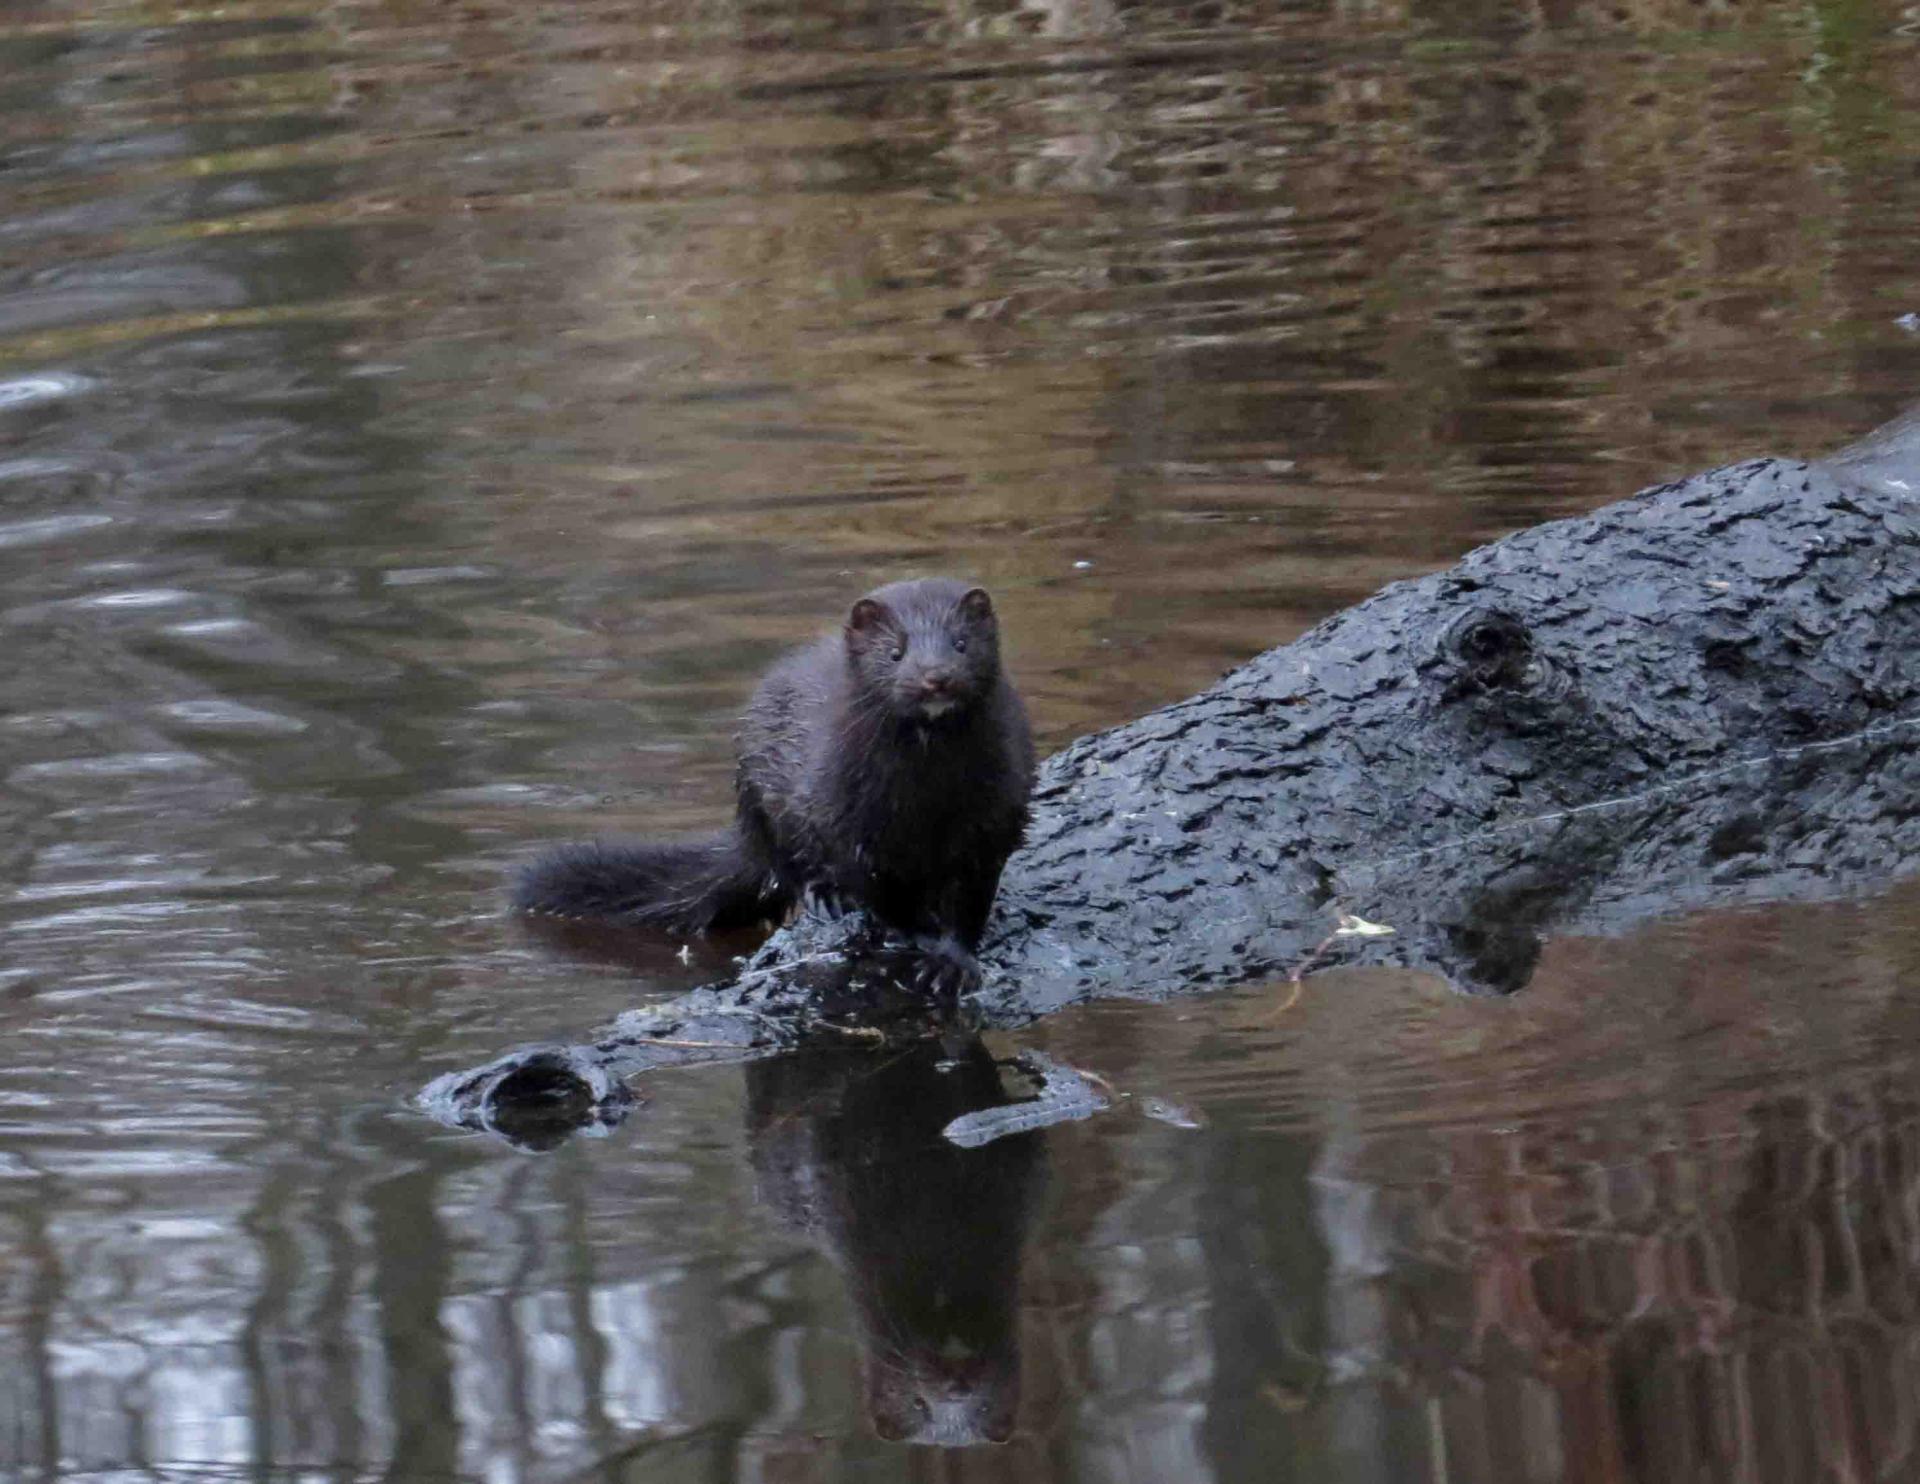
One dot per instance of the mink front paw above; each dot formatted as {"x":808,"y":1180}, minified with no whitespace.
{"x":946,"y":968}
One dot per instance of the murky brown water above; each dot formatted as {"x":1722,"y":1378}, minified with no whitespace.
{"x":418,"y":423}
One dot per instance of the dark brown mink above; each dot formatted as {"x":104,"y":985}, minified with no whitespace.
{"x":885,"y":766}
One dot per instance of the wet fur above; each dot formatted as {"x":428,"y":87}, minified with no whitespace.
{"x":857,"y":782}
{"x":703,"y":884}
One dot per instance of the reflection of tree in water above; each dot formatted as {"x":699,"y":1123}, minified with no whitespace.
{"x":927,"y":1235}
{"x":198,"y":1261}
{"x":1732,"y":1299}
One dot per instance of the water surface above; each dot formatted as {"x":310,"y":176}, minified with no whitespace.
{"x":418,"y":425}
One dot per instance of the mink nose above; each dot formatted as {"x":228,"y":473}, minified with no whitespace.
{"x":936,"y":682}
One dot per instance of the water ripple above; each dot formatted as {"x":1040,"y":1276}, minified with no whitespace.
{"x":28,"y":391}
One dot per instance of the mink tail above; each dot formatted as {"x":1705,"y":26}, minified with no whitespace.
{"x":704,"y":883}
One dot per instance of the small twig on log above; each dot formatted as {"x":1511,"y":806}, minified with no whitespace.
{"x":1294,"y":988}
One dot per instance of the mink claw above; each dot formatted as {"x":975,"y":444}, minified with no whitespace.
{"x":946,"y":969}
{"x":823,"y":901}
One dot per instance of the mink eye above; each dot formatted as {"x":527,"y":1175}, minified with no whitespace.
{"x":897,"y":653}
{"x":959,"y":646}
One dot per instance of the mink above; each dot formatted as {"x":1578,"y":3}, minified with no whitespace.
{"x":885,"y":766}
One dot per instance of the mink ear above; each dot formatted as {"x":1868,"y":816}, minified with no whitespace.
{"x":976,"y":605}
{"x":869,"y":617}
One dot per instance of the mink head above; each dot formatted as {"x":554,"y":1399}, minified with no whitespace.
{"x":930,"y":650}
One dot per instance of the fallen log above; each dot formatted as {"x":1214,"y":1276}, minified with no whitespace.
{"x":1706,"y":694}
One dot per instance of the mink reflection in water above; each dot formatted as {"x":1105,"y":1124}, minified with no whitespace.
{"x":848,"y":1149}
